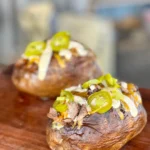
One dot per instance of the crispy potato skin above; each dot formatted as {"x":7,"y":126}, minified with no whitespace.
{"x":77,"y":71}
{"x":99,"y":132}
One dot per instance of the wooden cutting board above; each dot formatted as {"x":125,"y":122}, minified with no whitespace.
{"x":23,"y":119}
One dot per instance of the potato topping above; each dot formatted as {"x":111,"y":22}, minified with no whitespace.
{"x":97,"y":98}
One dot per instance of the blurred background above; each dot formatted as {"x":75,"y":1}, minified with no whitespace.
{"x":118,"y":31}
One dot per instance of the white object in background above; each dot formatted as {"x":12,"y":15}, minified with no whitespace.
{"x":35,"y":20}
{"x":12,"y":41}
{"x":94,"y":32}
{"x":146,"y":19}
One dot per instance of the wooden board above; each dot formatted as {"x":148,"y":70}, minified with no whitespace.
{"x":23,"y":120}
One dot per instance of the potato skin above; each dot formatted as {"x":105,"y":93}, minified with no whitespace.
{"x":77,"y":71}
{"x":99,"y":132}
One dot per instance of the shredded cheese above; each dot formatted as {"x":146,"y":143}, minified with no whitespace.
{"x":124,"y":85}
{"x":131,"y":105}
{"x":80,"y":48}
{"x":65,"y":53}
{"x":80,"y":100}
{"x":60,"y":61}
{"x":116,"y":103}
{"x":76,"y":88}
{"x":44,"y":62}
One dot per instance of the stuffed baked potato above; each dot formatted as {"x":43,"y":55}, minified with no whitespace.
{"x":47,"y":67}
{"x":102,"y":114}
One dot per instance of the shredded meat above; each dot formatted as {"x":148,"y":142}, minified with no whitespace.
{"x":67,"y":120}
{"x":74,"y":51}
{"x":83,"y":112}
{"x":130,"y":88}
{"x":81,"y":94}
{"x":124,"y":90}
{"x":76,"y":114}
{"x":52,"y":114}
{"x":95,"y":89}
{"x":73,"y":109}
{"x":21,"y":63}
{"x":32,"y":67}
{"x":24,"y":64}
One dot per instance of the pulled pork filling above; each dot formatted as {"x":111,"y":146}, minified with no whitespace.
{"x":94,"y":96}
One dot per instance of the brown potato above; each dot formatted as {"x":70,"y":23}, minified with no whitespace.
{"x":99,"y":132}
{"x":106,"y":117}
{"x":77,"y":70}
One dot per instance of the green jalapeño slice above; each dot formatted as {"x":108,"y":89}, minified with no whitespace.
{"x":87,"y":84}
{"x":100,"y":102}
{"x":116,"y":94}
{"x":68,"y":95}
{"x":35,"y":48}
{"x":60,"y":104}
{"x":60,"y":41}
{"x":112,"y":82}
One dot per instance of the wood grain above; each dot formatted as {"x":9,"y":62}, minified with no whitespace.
{"x":23,"y":120}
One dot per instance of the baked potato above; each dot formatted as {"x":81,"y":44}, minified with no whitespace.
{"x":101,"y":114}
{"x":47,"y":67}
